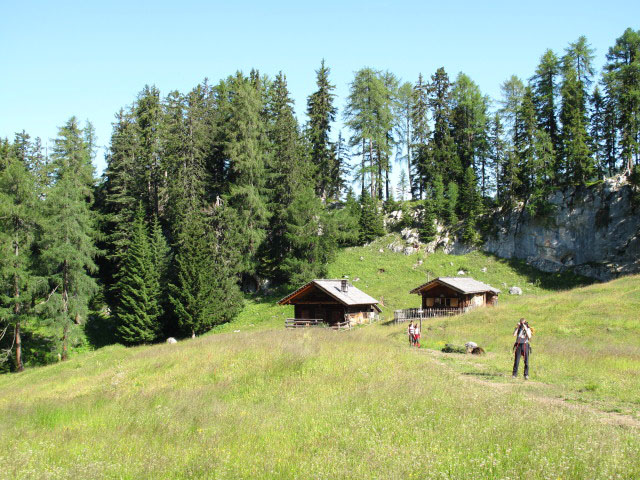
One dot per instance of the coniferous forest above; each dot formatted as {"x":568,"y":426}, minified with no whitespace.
{"x":219,"y":192}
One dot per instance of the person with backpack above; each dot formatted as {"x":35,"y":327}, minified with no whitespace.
{"x":521,"y":347}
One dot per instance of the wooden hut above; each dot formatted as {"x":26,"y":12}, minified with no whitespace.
{"x":456,"y":294}
{"x":332,"y":302}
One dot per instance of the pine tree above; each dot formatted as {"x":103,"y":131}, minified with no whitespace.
{"x":452,"y":203}
{"x":246,"y":153}
{"x":470,"y":125}
{"x":623,"y":80}
{"x":346,"y":221}
{"x":428,"y":229}
{"x":443,"y":152}
{"x":205,"y":291}
{"x":18,"y":227}
{"x":438,"y":201}
{"x":138,"y":310}
{"x":68,"y":248}
{"x":371,"y":223}
{"x":470,"y":206}
{"x":578,"y":163}
{"x":496,"y":154}
{"x":545,"y":93}
{"x":597,"y":130}
{"x":421,"y":133}
{"x":322,"y":113}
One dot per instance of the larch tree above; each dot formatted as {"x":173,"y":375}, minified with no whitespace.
{"x":68,"y":239}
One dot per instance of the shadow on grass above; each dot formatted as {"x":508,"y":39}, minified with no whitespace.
{"x":100,"y":330}
{"x":557,"y":281}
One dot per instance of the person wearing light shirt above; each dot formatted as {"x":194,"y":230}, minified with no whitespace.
{"x":522,"y":347}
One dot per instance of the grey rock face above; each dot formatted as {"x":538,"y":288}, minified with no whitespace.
{"x":515,"y":291}
{"x":593,"y":231}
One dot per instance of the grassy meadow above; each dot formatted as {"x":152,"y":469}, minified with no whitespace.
{"x":255,"y":401}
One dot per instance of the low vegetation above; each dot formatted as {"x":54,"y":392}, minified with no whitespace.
{"x":257,"y":401}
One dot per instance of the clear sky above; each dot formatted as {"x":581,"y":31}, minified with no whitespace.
{"x":89,"y":58}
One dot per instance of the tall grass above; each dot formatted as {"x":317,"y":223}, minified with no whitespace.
{"x":304,"y":404}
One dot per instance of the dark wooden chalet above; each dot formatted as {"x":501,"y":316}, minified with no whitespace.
{"x":332,"y":302}
{"x":456,"y":293}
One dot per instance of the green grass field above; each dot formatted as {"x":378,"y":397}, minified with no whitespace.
{"x":255,"y":401}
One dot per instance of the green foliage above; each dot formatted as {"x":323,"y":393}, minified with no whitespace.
{"x":138,"y":310}
{"x":322,"y":113}
{"x":68,"y":237}
{"x":451,"y":203}
{"x":205,"y":291}
{"x":427,"y":229}
{"x":371,"y":222}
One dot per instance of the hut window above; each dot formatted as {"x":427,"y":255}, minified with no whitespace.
{"x":429,"y":301}
{"x":454,"y":302}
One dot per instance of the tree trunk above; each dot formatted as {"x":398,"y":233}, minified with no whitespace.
{"x":362,"y":187}
{"x":373,"y":191}
{"x":16,"y":312}
{"x":65,"y":310}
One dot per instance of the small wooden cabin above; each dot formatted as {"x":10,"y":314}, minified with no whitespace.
{"x":331,"y":302}
{"x":456,"y":293}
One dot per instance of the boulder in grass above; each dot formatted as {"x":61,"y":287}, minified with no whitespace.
{"x":171,"y":340}
{"x":478,"y":351}
{"x":515,"y":291}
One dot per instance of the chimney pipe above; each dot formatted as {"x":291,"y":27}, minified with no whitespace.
{"x":344,"y":286}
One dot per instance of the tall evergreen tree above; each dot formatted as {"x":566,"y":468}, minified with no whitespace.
{"x":246,"y":153}
{"x":18,"y":227}
{"x":371,"y":223}
{"x":421,"y":133}
{"x":623,"y":79}
{"x":444,"y":155}
{"x":68,"y":248}
{"x":428,"y":228}
{"x":404,"y":109}
{"x":451,"y":203}
{"x":138,"y":310}
{"x":545,"y":93}
{"x":322,"y":112}
{"x":578,"y":165}
{"x":205,"y":291}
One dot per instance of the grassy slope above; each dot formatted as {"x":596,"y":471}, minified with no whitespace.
{"x":266,"y":402}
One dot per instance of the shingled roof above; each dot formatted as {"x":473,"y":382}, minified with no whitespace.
{"x":465,"y":285}
{"x":353,"y":295}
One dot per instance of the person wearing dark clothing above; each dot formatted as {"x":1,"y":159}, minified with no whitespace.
{"x":522,"y":347}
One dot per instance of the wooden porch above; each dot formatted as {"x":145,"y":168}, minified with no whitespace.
{"x":409,"y":314}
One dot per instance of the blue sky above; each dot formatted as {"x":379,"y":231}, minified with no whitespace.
{"x":89,"y":58}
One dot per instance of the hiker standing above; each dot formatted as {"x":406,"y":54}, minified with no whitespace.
{"x":412,"y":337}
{"x":522,"y":347}
{"x":416,"y":335}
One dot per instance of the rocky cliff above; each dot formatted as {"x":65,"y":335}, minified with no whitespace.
{"x":594,"y":231}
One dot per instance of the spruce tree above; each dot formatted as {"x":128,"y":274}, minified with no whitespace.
{"x":246,"y":150}
{"x":438,"y":201}
{"x":371,"y":223}
{"x":443,"y":151}
{"x":421,"y":134}
{"x":451,"y":205}
{"x":67,"y":244}
{"x":322,"y":113}
{"x":623,"y":80}
{"x":204,"y":292}
{"x":138,"y":310}
{"x":346,"y":221}
{"x":19,"y":209}
{"x":428,"y":229}
{"x":545,"y":93}
{"x":470,"y":206}
{"x":578,"y":165}
{"x":403,"y":186}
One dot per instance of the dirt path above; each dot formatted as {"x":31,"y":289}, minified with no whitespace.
{"x":537,"y":393}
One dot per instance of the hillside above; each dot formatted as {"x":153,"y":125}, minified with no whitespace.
{"x":265,"y":402}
